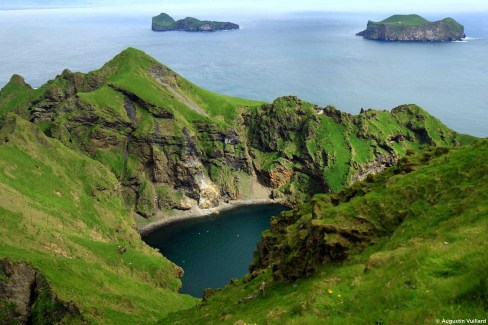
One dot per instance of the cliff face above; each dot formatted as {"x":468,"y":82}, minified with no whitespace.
{"x":69,"y":238}
{"x":375,"y":252}
{"x":26,"y":298}
{"x":399,"y":29}
{"x":173,"y":145}
{"x":83,"y":151}
{"x":164,"y":22}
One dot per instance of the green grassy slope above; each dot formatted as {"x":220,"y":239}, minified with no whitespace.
{"x":15,"y":95}
{"x":163,"y":19}
{"x":131,"y":71}
{"x":131,"y":107}
{"x":334,"y":149}
{"x":134,"y":136}
{"x":155,"y":129}
{"x":406,"y":20}
{"x":62,"y":212}
{"x":405,"y":246}
{"x":400,"y":21}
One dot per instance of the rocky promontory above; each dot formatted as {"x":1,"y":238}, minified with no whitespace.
{"x":164,"y":22}
{"x":413,"y":28}
{"x":172,"y":146}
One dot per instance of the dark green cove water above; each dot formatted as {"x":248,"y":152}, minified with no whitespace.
{"x":214,"y":249}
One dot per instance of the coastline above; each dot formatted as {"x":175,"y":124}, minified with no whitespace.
{"x":195,"y":212}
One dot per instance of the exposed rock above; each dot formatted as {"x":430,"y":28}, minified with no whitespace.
{"x":170,"y":147}
{"x":279,"y":176}
{"x":26,"y":297}
{"x":209,"y":196}
{"x":381,"y":162}
{"x":209,"y":292}
{"x":161,"y":169}
{"x":185,"y":204}
{"x":18,"y":79}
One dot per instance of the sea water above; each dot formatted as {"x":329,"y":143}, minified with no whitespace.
{"x":212,"y":250}
{"x":315,"y":56}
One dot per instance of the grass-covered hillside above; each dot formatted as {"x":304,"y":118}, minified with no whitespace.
{"x":406,"y":20}
{"x":62,"y":212}
{"x":406,"y":246}
{"x":15,"y":95}
{"x":301,"y":148}
{"x":163,"y":20}
{"x":159,"y":134}
{"x":84,"y":152}
{"x":173,"y":145}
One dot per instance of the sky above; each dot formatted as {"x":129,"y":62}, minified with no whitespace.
{"x":392,"y":6}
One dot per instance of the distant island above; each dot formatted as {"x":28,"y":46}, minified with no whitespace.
{"x":413,"y":28}
{"x":164,"y":22}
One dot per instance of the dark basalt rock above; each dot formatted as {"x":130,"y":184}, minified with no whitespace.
{"x":26,"y":297}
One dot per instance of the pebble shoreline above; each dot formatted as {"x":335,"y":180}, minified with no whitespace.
{"x":195,"y":212}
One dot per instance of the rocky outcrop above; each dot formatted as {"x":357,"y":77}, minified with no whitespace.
{"x":378,"y":165}
{"x":302,"y":239}
{"x":310,"y":244}
{"x":173,"y":145}
{"x":19,"y":80}
{"x":400,"y":28}
{"x":152,"y":162}
{"x":26,"y":297}
{"x":164,"y":22}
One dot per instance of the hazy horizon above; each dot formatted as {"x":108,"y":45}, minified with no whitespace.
{"x":263,"y":6}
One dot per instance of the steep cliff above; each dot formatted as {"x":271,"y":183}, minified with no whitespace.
{"x":27,"y":298}
{"x":299,"y":148}
{"x":406,"y":245}
{"x":163,"y":22}
{"x":173,"y":145}
{"x":71,"y":243}
{"x":82,"y":152}
{"x":413,"y":28}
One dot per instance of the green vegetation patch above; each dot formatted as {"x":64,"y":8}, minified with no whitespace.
{"x":14,"y":96}
{"x":427,"y":260}
{"x":406,"y":20}
{"x":62,"y":213}
{"x":330,"y":136}
{"x":109,"y":103}
{"x":163,"y":20}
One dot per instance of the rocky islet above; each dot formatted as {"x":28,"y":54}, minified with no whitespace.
{"x":163,"y":23}
{"x":413,"y":28}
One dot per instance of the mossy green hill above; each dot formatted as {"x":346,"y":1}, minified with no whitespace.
{"x":166,"y":138}
{"x":406,"y":20}
{"x":63,"y":213}
{"x":163,"y":19}
{"x":85,"y":152}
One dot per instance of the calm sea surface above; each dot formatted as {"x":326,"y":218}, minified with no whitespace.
{"x":314,"y":56}
{"x":214,"y":249}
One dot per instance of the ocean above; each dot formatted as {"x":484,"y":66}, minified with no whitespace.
{"x":315,"y":56}
{"x":214,"y":249}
